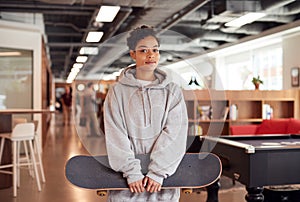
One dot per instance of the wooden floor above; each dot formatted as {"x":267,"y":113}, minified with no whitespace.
{"x":62,"y":143}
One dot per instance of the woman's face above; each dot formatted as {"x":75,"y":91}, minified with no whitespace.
{"x":146,"y":54}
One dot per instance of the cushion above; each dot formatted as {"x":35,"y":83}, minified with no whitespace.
{"x":293,"y":126}
{"x":273,"y":126}
{"x":243,"y":129}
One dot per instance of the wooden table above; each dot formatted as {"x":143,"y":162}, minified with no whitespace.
{"x":6,"y":127}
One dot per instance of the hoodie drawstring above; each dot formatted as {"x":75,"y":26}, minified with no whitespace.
{"x":146,"y":103}
{"x":150,"y":105}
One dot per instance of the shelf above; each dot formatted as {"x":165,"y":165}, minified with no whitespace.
{"x":249,"y":104}
{"x":208,"y":121}
{"x":246,"y":120}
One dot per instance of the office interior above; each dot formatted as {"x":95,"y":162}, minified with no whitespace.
{"x":209,"y":60}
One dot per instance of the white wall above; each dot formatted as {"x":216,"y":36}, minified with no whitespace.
{"x":291,"y":57}
{"x":29,"y":37}
{"x":290,"y":39}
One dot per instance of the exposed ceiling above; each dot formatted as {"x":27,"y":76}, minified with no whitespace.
{"x":193,"y":26}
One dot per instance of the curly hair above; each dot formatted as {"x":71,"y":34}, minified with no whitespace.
{"x":140,"y":33}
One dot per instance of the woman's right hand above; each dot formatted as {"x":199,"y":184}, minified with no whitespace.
{"x":151,"y":185}
{"x":137,"y":186}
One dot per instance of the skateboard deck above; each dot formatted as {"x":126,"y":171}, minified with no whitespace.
{"x":196,"y":170}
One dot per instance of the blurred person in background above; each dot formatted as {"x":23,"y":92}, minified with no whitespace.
{"x":66,"y":101}
{"x":89,"y":110}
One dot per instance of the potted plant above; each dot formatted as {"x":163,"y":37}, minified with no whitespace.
{"x":257,"y":81}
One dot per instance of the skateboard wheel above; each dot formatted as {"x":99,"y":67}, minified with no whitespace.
{"x":101,"y":193}
{"x":187,"y":191}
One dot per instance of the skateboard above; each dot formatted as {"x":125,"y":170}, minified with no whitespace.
{"x":196,"y":170}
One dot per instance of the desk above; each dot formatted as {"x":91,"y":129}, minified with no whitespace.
{"x":258,"y":161}
{"x":6,"y":127}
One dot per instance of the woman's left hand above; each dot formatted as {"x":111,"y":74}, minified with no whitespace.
{"x":151,"y":185}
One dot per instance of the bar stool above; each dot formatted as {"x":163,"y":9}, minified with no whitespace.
{"x":21,"y":132}
{"x":15,"y":121}
{"x":38,"y":151}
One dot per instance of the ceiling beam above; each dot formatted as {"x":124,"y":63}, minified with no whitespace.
{"x":64,"y":34}
{"x":79,"y":44}
{"x":44,"y":6}
{"x":179,"y":15}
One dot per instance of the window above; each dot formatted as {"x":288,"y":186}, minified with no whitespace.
{"x":236,"y":71}
{"x":267,"y":62}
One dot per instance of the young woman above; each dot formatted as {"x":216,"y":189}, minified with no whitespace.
{"x":145,"y":113}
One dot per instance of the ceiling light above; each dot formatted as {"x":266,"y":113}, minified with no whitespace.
{"x":94,"y":36}
{"x":77,"y":65}
{"x":80,"y":87}
{"x":72,"y":75}
{"x":109,"y":77}
{"x":245,"y":19}
{"x":89,"y":51}
{"x":81,"y":59}
{"x":10,"y":53}
{"x":75,"y":70}
{"x":107,"y":13}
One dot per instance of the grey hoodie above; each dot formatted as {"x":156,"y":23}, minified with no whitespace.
{"x":145,"y":119}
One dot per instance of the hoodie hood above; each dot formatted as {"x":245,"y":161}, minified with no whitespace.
{"x":127,"y":77}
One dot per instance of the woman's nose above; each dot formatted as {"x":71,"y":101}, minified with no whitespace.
{"x":150,"y":54}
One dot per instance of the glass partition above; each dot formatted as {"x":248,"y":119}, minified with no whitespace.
{"x":16,"y":72}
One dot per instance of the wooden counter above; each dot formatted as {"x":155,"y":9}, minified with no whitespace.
{"x":24,"y":111}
